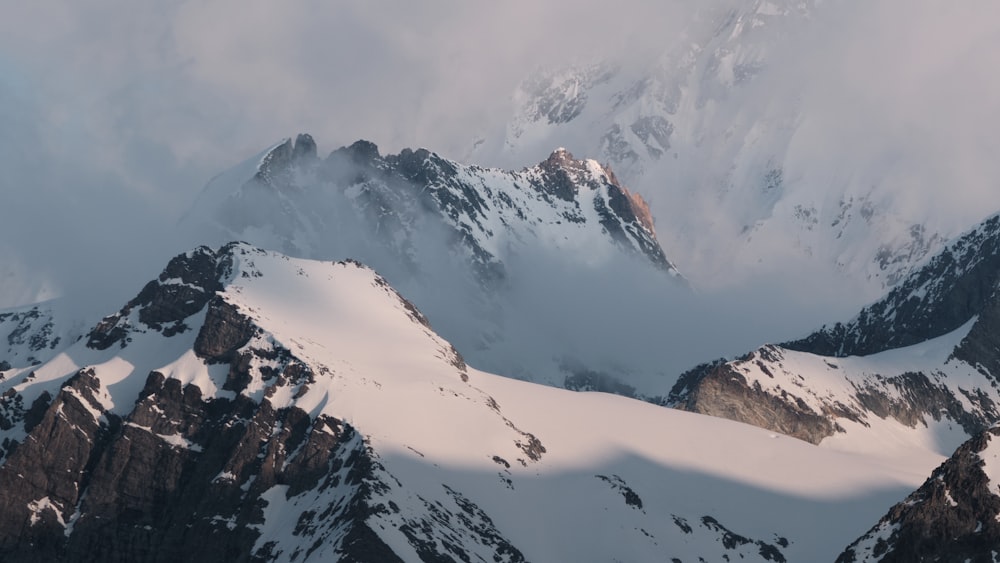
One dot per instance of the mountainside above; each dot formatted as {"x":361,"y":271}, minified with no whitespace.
{"x":511,"y":267}
{"x":923,"y":356}
{"x":250,"y":406}
{"x":483,"y":215}
{"x":747,"y":170}
{"x":953,"y":517}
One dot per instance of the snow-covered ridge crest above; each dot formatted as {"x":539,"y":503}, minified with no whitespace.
{"x":940,"y":295}
{"x":924,"y":356}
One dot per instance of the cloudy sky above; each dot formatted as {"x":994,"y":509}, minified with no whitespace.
{"x":113,"y":115}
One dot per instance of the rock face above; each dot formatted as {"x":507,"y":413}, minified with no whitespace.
{"x":953,"y":517}
{"x":721,"y":390}
{"x":956,"y":284}
{"x":926,"y":352}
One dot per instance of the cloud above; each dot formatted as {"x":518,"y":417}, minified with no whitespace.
{"x":114,"y":115}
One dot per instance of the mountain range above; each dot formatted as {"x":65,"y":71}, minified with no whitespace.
{"x":783,"y":350}
{"x":712,"y":126}
{"x":251,"y":405}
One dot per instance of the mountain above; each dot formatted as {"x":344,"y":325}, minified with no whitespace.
{"x":953,"y":516}
{"x":747,"y":170}
{"x":248,"y":406}
{"x":513,"y":267}
{"x":924,"y":357}
{"x":483,"y":215}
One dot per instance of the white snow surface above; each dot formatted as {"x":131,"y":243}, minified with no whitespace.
{"x":991,"y":463}
{"x":827,"y":385}
{"x":443,"y":431}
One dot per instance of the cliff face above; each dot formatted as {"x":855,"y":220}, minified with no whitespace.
{"x":952,"y":517}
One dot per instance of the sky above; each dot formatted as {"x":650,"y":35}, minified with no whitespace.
{"x":113,"y":116}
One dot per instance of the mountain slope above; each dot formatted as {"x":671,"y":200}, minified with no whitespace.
{"x":250,"y":406}
{"x":923,"y":356}
{"x":953,"y":516}
{"x":32,"y":334}
{"x":504,"y":263}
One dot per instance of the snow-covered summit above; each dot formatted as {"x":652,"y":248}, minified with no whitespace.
{"x":476,"y":248}
{"x":574,"y":206}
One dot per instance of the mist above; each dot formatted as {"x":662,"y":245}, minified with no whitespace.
{"x":113,"y":117}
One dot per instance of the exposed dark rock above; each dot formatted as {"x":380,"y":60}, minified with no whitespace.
{"x":305,"y":148}
{"x":631,"y":498}
{"x":950,"y":289}
{"x":718,"y":390}
{"x":980,"y":347}
{"x":583,"y":379}
{"x":225,"y":331}
{"x":916,"y":397}
{"x":183,"y":288}
{"x":952,"y":517}
{"x":732,"y":540}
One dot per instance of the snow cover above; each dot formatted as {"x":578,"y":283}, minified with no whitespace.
{"x":451,"y":435}
{"x":678,"y":463}
{"x":991,"y":463}
{"x":826,"y":384}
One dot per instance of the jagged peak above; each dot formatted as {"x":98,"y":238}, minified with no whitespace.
{"x":305,"y":147}
{"x":285,"y":154}
{"x":361,"y":150}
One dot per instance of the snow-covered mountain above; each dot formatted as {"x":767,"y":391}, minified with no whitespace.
{"x":748,"y":169}
{"x":250,"y":406}
{"x":923,"y":361}
{"x":515,"y":268}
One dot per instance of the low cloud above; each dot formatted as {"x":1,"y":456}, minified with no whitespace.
{"x":114,"y":116}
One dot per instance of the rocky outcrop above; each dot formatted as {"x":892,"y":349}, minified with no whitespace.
{"x":952,"y":287}
{"x":183,"y":288}
{"x":719,"y":390}
{"x":952,"y":517}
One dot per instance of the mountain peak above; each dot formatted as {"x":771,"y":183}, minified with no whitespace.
{"x":362,"y":150}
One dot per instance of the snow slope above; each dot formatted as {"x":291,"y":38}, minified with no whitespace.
{"x":460,"y":461}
